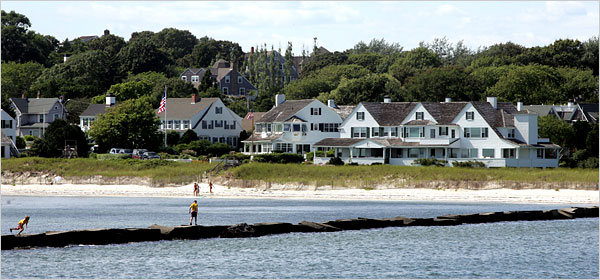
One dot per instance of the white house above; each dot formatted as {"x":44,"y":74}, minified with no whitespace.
{"x":87,"y":117}
{"x":34,"y":115}
{"x":208,"y":117}
{"x":9,"y":135}
{"x":398,"y":133}
{"x":294,"y":126}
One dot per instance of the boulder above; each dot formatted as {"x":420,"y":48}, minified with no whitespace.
{"x":306,"y":226}
{"x":237,"y":231}
{"x":261,"y":229}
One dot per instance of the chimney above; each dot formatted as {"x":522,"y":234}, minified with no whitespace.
{"x":448,"y":100}
{"x":106,"y":32}
{"x":570,"y":104}
{"x":110,"y":100}
{"x":193,"y":98}
{"x":60,"y":99}
{"x":23,"y":95}
{"x":519,"y":105}
{"x":387,"y":99}
{"x":330,"y":103}
{"x":279,"y":98}
{"x":38,"y":95}
{"x":251,"y":50}
{"x":494,"y":101}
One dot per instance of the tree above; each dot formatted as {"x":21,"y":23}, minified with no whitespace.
{"x":323,"y":60}
{"x":367,"y":60}
{"x":207,"y":82}
{"x":130,"y":90}
{"x":172,"y":138}
{"x":111,"y":44}
{"x":577,"y":83}
{"x":531,"y":84}
{"x":208,"y":50}
{"x":59,"y":134}
{"x":176,"y":88}
{"x":188,"y":136}
{"x":370,"y":88}
{"x":558,"y":131}
{"x":17,"y":78}
{"x":437,"y":83}
{"x":175,"y":43}
{"x":141,"y":55}
{"x":7,"y":105}
{"x":322,"y":80}
{"x":132,"y":124}
{"x":590,"y":54}
{"x":380,"y":47}
{"x":20,"y":44}
{"x":412,"y":62}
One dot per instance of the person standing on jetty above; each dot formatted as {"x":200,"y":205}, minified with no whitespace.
{"x":194,"y":211}
{"x":20,"y":225}
{"x":210,"y":185}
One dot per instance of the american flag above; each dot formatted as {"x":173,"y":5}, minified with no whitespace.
{"x":250,"y":115}
{"x":163,"y":103}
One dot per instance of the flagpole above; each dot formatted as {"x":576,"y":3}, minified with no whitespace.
{"x":165,"y":116}
{"x":252,"y":135}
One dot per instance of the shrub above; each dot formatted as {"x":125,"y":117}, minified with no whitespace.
{"x":310,"y":156}
{"x":429,"y":162}
{"x":93,"y":155}
{"x":470,"y":164}
{"x":29,"y":137}
{"x":376,"y":163}
{"x":20,"y":142}
{"x":591,"y":162}
{"x":352,"y":163}
{"x":335,"y":161}
{"x":188,"y":137}
{"x":239,"y":156}
{"x":279,"y":158}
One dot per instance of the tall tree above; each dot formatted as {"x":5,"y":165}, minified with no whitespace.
{"x":141,"y":55}
{"x":58,"y":135}
{"x":17,"y":78}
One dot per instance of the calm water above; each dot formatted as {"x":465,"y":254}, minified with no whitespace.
{"x":539,"y":249}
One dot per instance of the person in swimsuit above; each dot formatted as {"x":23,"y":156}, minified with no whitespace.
{"x":196,"y":189}
{"x":20,"y":225}
{"x":194,"y":211}
{"x":210,"y":185}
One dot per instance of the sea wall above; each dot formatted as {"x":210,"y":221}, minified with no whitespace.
{"x":157,"y":232}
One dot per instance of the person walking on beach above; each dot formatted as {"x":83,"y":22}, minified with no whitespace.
{"x":210,"y":185}
{"x":20,"y":225}
{"x":196,"y":189}
{"x":194,"y":211}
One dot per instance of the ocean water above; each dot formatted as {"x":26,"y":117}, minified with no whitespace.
{"x":529,"y":249}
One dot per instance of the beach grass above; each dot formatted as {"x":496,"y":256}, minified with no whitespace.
{"x":158,"y":170}
{"x":367,"y":176}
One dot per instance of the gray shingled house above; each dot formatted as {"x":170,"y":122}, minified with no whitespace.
{"x":229,"y":80}
{"x":34,"y":115}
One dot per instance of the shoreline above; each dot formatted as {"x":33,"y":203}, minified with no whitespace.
{"x":530,"y":196}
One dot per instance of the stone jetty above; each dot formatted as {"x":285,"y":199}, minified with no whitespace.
{"x":157,"y":232}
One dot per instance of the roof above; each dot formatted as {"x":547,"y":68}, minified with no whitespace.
{"x":34,"y":105}
{"x":489,"y":114}
{"x":420,"y":122}
{"x":93,"y":110}
{"x":258,"y":137}
{"x":444,"y":112}
{"x":247,"y":123}
{"x":338,"y":142}
{"x":348,"y":142}
{"x":182,"y":108}
{"x":540,"y":110}
{"x":590,"y":111}
{"x":284,"y":111}
{"x":538,"y":145}
{"x":343,"y":111}
{"x":389,"y":114}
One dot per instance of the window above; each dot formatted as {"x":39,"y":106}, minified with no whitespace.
{"x":184,"y":78}
{"x":195,"y":79}
{"x":470,"y":115}
{"x":508,"y":153}
{"x":287,"y":127}
{"x":453,"y":134}
{"x":232,"y":125}
{"x":487,"y":153}
{"x":41,"y":117}
{"x":227,"y":79}
{"x":170,"y":124}
{"x":186,"y":124}
{"x":55,"y":116}
{"x":414,"y":132}
{"x":276,"y":128}
{"x":432,"y":133}
{"x":327,"y":127}
{"x":540,"y":153}
{"x":239,"y":79}
{"x":218,"y":110}
{"x":8,"y":123}
{"x":419,"y":116}
{"x":394,"y":132}
{"x":511,"y":133}
{"x":359,"y":132}
{"x":225,"y":91}
{"x":396,"y":153}
{"x":413,"y":153}
{"x":443,"y":131}
{"x":375,"y":131}
{"x":218,"y":124}
{"x":177,"y":124}
{"x":360,"y":116}
{"x":284,"y":147}
{"x":468,"y":153}
{"x":242,"y":91}
{"x":315,"y":111}
{"x":453,"y":153}
{"x":210,"y":125}
{"x":476,"y":132}
{"x":296,"y":127}
{"x":204,"y":126}
{"x":551,"y":153}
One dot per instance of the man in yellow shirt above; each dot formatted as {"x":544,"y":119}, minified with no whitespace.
{"x":20,"y":225}
{"x":194,"y":211}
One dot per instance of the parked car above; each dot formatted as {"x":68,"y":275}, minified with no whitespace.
{"x":115,"y":151}
{"x":126,"y":151}
{"x":150,"y":155}
{"x":138,"y":153}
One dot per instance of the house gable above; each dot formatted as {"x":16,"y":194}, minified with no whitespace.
{"x":419,"y":108}
{"x":352,"y":121}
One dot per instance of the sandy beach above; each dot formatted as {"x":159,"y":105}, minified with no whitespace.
{"x":563,"y":196}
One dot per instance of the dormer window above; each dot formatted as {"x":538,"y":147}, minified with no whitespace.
{"x":360,"y":116}
{"x":419,"y":115}
{"x":225,"y":91}
{"x":195,"y":79}
{"x":184,"y":78}
{"x":315,"y":111}
{"x":470,"y":115}
{"x":227,"y":79}
{"x":239,"y":79}
{"x":511,"y":133}
{"x":218,"y":110}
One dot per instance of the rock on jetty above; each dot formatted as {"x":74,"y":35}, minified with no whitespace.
{"x":156,"y":232}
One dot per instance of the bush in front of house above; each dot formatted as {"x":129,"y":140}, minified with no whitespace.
{"x":335,"y":161}
{"x":279,"y":158}
{"x":429,"y":162}
{"x":239,"y":156}
{"x":469,"y":164}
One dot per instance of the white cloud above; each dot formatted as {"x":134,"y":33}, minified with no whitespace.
{"x":446,"y":9}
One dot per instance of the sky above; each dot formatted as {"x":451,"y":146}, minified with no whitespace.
{"x":337,"y":25}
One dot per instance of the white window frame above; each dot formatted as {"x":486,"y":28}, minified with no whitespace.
{"x":227,"y":79}
{"x":419,"y":116}
{"x":242,"y":91}
{"x":470,"y":115}
{"x":225,"y":90}
{"x":184,"y":78}
{"x":195,"y":79}
{"x":360,"y":116}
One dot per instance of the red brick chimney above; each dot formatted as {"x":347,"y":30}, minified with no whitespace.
{"x":251,"y":49}
{"x":38,"y":95}
{"x":194,"y":98}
